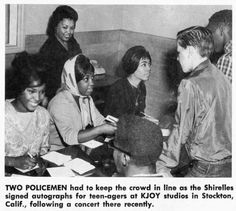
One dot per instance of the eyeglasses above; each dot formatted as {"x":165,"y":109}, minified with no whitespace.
{"x":112,"y":146}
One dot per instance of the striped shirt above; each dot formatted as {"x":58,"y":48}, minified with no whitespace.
{"x":225,"y":61}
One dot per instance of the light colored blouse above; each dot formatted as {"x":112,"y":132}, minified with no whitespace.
{"x":26,"y":132}
{"x":69,"y":119}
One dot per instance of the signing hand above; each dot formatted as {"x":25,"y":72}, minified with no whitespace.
{"x":25,"y":162}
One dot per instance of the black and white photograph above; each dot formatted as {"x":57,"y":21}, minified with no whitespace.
{"x":117,"y":105}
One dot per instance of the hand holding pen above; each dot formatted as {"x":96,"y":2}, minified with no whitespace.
{"x":25,"y":161}
{"x":31,"y":160}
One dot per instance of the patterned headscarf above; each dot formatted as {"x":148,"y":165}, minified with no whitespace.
{"x":68,"y":77}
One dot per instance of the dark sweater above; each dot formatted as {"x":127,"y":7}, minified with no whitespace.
{"x":55,"y":55}
{"x":123,"y":98}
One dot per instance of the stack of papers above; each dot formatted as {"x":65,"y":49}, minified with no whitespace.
{"x":70,"y":166}
{"x":79,"y":165}
{"x":57,"y":158}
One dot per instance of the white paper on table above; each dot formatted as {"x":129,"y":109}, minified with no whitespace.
{"x":79,"y":165}
{"x":92,"y":144}
{"x":19,"y":175}
{"x":56,"y":157}
{"x":27,"y":170}
{"x":61,"y":172}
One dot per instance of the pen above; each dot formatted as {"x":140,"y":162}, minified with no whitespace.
{"x":30,"y":155}
{"x":147,"y":115}
{"x":150,"y":117}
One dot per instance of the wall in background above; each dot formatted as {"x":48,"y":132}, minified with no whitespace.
{"x":160,"y":20}
{"x":91,"y":17}
{"x":166,"y":20}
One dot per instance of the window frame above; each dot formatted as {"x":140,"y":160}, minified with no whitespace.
{"x":16,"y":29}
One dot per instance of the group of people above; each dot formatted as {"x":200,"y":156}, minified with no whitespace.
{"x":53,"y":108}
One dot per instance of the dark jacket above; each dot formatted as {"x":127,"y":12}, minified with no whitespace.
{"x":55,"y":55}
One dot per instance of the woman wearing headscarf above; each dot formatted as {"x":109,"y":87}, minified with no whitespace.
{"x":76,"y":119}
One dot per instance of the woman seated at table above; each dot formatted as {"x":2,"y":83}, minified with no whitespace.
{"x":128,"y":95}
{"x":76,"y":119}
{"x":26,"y":122}
{"x":60,"y":45}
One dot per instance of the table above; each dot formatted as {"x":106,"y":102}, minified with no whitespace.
{"x":101,"y":157}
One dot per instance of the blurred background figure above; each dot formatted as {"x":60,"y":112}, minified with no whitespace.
{"x":220,"y":24}
{"x":26,"y":122}
{"x":137,"y":146}
{"x":60,"y":45}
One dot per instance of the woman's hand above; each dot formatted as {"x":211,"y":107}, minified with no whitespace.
{"x":108,"y":128}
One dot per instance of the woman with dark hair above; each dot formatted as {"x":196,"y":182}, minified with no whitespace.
{"x":128,"y":95}
{"x":76,"y":119}
{"x":26,"y":122}
{"x":60,"y":45}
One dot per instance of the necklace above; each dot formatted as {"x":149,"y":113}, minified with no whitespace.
{"x":136,"y":91}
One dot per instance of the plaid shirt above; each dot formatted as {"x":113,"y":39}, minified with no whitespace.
{"x":225,"y":61}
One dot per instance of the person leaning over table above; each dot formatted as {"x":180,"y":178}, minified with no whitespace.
{"x":137,"y":145}
{"x":26,"y":122}
{"x":220,"y":24}
{"x":76,"y":118}
{"x":204,"y":112}
{"x":60,"y":45}
{"x":128,"y":95}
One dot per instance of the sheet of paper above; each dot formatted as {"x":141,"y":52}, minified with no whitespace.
{"x":165,"y":132}
{"x":19,"y":175}
{"x":56,"y":157}
{"x":79,"y":165}
{"x":92,"y":144}
{"x":111,"y":119}
{"x":27,"y":170}
{"x":61,"y":172}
